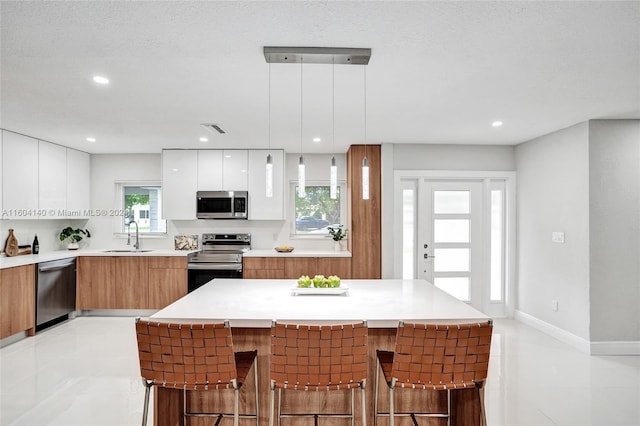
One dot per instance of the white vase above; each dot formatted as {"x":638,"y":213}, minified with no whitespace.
{"x":337,"y":245}
{"x":73,"y":246}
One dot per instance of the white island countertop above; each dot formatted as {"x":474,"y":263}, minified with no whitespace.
{"x":255,"y":303}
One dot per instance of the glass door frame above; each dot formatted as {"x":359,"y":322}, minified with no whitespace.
{"x":411,"y":178}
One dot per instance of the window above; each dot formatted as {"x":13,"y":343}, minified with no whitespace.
{"x":316,"y":211}
{"x":141,"y":203}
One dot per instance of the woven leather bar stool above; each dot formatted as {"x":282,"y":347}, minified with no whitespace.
{"x":435,"y":357}
{"x":196,"y":357}
{"x":318,"y":358}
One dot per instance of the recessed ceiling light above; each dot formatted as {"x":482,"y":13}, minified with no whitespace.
{"x":496,"y":123}
{"x":91,"y":139}
{"x":227,"y":156}
{"x":204,"y":139}
{"x":317,"y":139}
{"x":100,"y":79}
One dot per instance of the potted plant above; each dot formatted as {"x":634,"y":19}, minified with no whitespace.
{"x":338,"y":233}
{"x":74,"y":236}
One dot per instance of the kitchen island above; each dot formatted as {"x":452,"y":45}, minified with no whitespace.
{"x":251,"y":305}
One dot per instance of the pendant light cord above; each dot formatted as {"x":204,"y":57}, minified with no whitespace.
{"x":365,"y":111}
{"x":333,"y":105}
{"x":301,"y":105}
{"x":269,"y":108}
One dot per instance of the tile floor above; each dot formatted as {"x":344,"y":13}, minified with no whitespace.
{"x":85,"y":372}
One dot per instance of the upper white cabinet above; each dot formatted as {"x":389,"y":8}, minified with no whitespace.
{"x":52,"y":178}
{"x":262,"y":207}
{"x":19,"y":176}
{"x":184,"y":172}
{"x":42,"y":180}
{"x":78,"y":181}
{"x":1,"y":136}
{"x":210,"y":170}
{"x":234,"y":169}
{"x":222,"y":170}
{"x":179,"y":184}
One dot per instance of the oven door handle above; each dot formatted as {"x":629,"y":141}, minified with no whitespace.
{"x":215,"y":266}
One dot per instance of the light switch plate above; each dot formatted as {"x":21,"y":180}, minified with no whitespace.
{"x":557,"y":237}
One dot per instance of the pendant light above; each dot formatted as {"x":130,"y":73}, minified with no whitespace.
{"x":269,"y":166}
{"x":333,"y":171}
{"x":301,"y":175}
{"x":365,"y":161}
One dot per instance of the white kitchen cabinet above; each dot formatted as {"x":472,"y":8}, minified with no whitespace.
{"x":78,"y":182}
{"x":261,"y":207}
{"x":234,"y":169}
{"x":19,"y":176}
{"x":52,"y":179}
{"x":179,"y":184}
{"x":1,"y":135}
{"x":210,"y":170}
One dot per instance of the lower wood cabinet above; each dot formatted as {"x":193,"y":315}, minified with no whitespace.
{"x":270,"y":268}
{"x":167,"y":280}
{"x":17,"y":300}
{"x":293,"y":267}
{"x":122,"y":282}
{"x":131,"y":283}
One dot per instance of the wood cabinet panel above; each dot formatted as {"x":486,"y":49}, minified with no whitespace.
{"x":17,"y":300}
{"x":168,"y":262}
{"x":131,"y":283}
{"x":166,"y":286}
{"x":296,"y":266}
{"x":263,"y":263}
{"x":340,"y":266}
{"x":365,"y":240}
{"x":93,"y":282}
{"x":267,"y":274}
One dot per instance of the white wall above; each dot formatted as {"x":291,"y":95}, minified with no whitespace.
{"x":614,"y":192}
{"x":453,"y":157}
{"x":553,"y":195}
{"x":107,"y":169}
{"x":48,"y":231}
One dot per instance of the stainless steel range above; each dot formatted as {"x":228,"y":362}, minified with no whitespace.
{"x":220,"y":257}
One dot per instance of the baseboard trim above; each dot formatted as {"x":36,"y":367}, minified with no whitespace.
{"x":577,"y":342}
{"x":615,"y":348}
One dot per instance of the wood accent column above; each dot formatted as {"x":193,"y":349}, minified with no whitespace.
{"x":364,"y":239}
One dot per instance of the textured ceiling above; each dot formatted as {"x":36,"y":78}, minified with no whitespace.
{"x":440,"y":72}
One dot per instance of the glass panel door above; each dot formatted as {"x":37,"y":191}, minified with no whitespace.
{"x":450,"y":238}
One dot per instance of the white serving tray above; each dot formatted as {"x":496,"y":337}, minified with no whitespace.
{"x":329,"y":291}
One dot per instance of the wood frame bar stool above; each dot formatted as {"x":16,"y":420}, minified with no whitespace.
{"x":318,"y":358}
{"x":437,"y":357}
{"x":197,"y":357}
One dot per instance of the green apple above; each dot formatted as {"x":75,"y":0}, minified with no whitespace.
{"x":333,"y":281}
{"x":318,"y":280}
{"x":304,"y":281}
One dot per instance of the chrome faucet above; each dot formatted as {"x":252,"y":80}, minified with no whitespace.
{"x":137,"y":243}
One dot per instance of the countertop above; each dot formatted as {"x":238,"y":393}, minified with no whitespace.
{"x":297,"y":253}
{"x":27,"y":259}
{"x":255,"y":303}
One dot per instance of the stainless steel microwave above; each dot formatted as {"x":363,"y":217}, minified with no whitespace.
{"x":222,"y":204}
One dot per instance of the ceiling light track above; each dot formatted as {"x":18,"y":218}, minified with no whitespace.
{"x":318,"y":55}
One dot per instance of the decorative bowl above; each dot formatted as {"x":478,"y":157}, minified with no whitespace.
{"x":284,"y":249}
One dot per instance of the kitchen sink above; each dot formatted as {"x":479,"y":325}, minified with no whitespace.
{"x":127,"y":251}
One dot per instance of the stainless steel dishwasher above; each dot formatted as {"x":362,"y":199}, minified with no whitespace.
{"x":55,"y":292}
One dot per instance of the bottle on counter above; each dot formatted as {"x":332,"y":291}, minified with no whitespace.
{"x":35,"y":247}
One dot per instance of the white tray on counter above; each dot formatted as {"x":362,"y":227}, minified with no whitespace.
{"x":327,"y":291}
